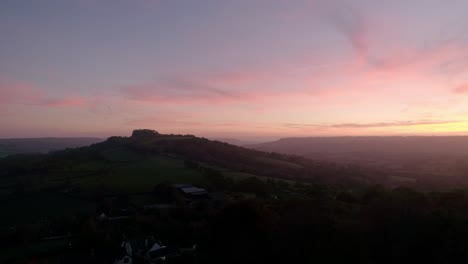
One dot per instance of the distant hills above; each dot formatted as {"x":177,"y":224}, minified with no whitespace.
{"x":236,"y":142}
{"x":397,"y":144}
{"x":42,"y":145}
{"x":441,"y":160}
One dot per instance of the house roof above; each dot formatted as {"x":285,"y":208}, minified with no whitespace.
{"x":181,"y":185}
{"x":193,"y":190}
{"x":156,"y":246}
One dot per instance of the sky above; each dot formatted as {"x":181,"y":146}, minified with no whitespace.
{"x":246,"y":69}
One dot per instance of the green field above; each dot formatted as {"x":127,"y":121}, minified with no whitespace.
{"x":278,"y":162}
{"x":136,"y":176}
{"x":102,"y":170}
{"x":143,"y":175}
{"x":242,"y":175}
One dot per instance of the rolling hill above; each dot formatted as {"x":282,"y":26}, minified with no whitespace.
{"x":138,"y":162}
{"x":48,"y":184}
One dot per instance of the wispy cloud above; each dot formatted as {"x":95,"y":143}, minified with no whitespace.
{"x":72,"y":101}
{"x":178,"y":121}
{"x":372,"y":125}
{"x":352,"y":25}
{"x":18,"y":92}
{"x":214,"y":88}
{"x":392,"y":124}
{"x":14,"y":92}
{"x":180,"y":91}
{"x":376,"y":42}
{"x":163,"y":118}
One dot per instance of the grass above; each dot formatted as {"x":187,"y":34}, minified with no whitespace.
{"x":126,"y":173}
{"x":243,"y":175}
{"x":124,"y":177}
{"x":143,"y":175}
{"x":278,"y":162}
{"x":121,"y":155}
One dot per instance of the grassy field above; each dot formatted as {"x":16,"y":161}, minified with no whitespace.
{"x":122,"y":177}
{"x":278,"y":162}
{"x":119,"y":170}
{"x":121,"y":155}
{"x":126,"y":173}
{"x":242,"y":175}
{"x":142,"y":175}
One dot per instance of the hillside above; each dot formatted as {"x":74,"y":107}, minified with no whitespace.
{"x":251,"y":197}
{"x":441,"y":160}
{"x":236,"y":142}
{"x":134,"y":165}
{"x":145,"y":152}
{"x":41,"y":145}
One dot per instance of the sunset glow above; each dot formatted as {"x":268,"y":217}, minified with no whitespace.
{"x":252,"y":69}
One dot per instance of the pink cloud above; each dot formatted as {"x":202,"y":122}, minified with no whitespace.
{"x":58,"y":102}
{"x":213,"y":96}
{"x":247,"y":86}
{"x":182,"y":91}
{"x":354,"y":28}
{"x":392,"y":124}
{"x":374,"y":62}
{"x":381,"y":52}
{"x":373,"y":125}
{"x":462,"y":89}
{"x":158,"y":122}
{"x":163,"y":117}
{"x":18,"y":93}
{"x":235,"y":78}
{"x":168,"y":122}
{"x":14,"y":92}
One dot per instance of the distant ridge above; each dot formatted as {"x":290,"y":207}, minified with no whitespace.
{"x":390,"y":144}
{"x":12,"y":146}
{"x":236,"y":142}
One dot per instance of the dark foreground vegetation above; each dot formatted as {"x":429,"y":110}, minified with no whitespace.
{"x":235,"y":205}
{"x":376,"y":226}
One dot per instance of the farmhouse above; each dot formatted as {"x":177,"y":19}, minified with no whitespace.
{"x":193,"y":192}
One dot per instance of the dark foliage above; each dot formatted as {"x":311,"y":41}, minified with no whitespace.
{"x":397,"y":226}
